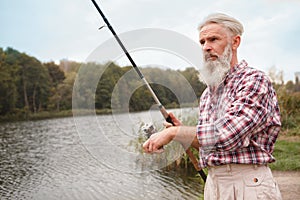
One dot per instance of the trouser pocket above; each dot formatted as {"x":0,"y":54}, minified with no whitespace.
{"x":261,"y":185}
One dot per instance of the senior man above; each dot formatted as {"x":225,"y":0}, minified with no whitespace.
{"x":239,"y":119}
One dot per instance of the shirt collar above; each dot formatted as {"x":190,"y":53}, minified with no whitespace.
{"x":233,"y":70}
{"x":238,"y":66}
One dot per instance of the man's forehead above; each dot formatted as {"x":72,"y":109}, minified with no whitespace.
{"x":212,"y":28}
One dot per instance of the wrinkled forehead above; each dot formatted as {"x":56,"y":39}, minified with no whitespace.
{"x":213,"y":29}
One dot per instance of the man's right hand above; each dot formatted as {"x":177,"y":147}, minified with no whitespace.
{"x":175,"y":121}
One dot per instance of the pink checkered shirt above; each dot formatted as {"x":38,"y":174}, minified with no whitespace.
{"x":239,"y":121}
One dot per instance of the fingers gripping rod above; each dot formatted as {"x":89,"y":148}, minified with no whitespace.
{"x":161,"y":107}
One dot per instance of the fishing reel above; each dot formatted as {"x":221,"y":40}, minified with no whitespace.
{"x":148,"y":129}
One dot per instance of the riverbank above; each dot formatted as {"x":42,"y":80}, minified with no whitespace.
{"x":23,"y":116}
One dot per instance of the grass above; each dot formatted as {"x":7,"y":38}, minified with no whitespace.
{"x":287,"y":154}
{"x":287,"y":147}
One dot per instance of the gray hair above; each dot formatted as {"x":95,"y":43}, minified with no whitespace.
{"x":232,"y":24}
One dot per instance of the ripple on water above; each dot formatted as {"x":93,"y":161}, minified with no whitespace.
{"x":46,"y":160}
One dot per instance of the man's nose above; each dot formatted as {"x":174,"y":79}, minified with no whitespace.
{"x":206,"y":47}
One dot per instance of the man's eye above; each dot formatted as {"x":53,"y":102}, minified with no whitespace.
{"x":202,"y":42}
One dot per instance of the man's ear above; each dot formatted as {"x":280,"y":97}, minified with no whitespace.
{"x":236,"y":40}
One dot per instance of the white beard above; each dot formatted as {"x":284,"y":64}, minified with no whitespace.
{"x":214,"y":71}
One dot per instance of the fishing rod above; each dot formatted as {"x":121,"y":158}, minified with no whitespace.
{"x":160,"y":106}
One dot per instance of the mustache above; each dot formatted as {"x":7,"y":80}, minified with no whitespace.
{"x":207,"y":56}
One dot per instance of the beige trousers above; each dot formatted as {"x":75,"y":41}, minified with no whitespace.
{"x":241,"y":182}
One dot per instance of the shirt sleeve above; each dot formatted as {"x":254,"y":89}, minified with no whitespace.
{"x":248,"y":111}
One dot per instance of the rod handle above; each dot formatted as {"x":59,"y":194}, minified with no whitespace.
{"x":168,"y":119}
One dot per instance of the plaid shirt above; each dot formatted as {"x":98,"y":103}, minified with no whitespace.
{"x":239,"y":121}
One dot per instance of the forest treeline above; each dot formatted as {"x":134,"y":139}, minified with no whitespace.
{"x":29,"y":86}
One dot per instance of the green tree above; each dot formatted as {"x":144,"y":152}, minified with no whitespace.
{"x":8,"y":80}
{"x":192,"y":75}
{"x":85,"y":85}
{"x":35,"y":83}
{"x":106,"y":85}
{"x":56,"y":74}
{"x":63,"y":97}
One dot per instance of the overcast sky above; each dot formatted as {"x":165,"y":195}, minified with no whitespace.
{"x":68,"y":29}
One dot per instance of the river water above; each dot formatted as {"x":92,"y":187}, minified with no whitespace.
{"x":89,"y":157}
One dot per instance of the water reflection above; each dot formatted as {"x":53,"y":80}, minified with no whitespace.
{"x":46,"y":160}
